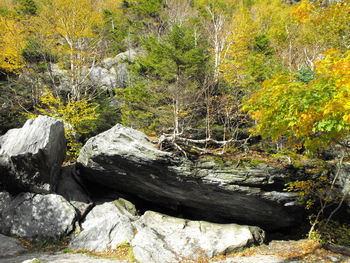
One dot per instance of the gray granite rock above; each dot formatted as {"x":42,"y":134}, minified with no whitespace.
{"x":30,"y":157}
{"x":9,"y":246}
{"x":35,"y":217}
{"x":343,"y":178}
{"x":163,"y":238}
{"x":104,"y":228}
{"x":112,"y":72}
{"x":106,"y":75}
{"x":158,"y":238}
{"x":124,"y":159}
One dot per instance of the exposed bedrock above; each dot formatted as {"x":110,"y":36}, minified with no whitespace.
{"x":124,"y":160}
{"x":31,"y":157}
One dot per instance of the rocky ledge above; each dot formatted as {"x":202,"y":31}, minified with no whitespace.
{"x":124,"y":160}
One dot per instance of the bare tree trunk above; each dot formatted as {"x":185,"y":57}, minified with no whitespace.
{"x":176,"y":116}
{"x":207,"y":98}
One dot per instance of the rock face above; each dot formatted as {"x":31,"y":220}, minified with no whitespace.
{"x":9,"y":246}
{"x":30,"y":157}
{"x":125,"y":160}
{"x":158,"y":238}
{"x":35,"y":216}
{"x":111,"y":73}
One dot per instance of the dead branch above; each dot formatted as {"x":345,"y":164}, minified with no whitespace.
{"x":182,"y":143}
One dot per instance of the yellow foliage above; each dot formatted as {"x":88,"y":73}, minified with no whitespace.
{"x":78,"y":116}
{"x":72,"y":20}
{"x":6,"y":4}
{"x":242,"y":32}
{"x":315,"y":113}
{"x":12,"y":41}
{"x":327,"y":25}
{"x":336,"y":66}
{"x":69,"y":28}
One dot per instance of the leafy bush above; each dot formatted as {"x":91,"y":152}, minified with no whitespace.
{"x":79,"y":116}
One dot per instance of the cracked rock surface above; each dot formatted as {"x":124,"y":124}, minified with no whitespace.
{"x":159,"y":238}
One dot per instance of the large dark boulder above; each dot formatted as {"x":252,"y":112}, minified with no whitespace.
{"x":125,"y":160}
{"x":30,"y":157}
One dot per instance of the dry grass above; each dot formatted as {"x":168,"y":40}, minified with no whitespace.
{"x":122,"y":252}
{"x":306,"y":250}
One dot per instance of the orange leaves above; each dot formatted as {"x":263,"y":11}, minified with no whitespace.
{"x":302,"y":12}
{"x":327,"y":23}
{"x":337,"y":66}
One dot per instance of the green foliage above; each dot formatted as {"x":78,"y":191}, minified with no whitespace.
{"x":141,"y":107}
{"x":34,"y":52}
{"x":305,"y":75}
{"x":335,"y":232}
{"x":27,"y":7}
{"x":249,"y":162}
{"x":116,"y":31}
{"x":109,"y":114}
{"x":177,"y":56}
{"x":261,"y":44}
{"x":147,"y":8}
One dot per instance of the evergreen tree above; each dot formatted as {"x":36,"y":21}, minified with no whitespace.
{"x":27,"y":7}
{"x":174,"y":67}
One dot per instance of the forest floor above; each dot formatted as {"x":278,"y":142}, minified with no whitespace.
{"x":301,"y":251}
